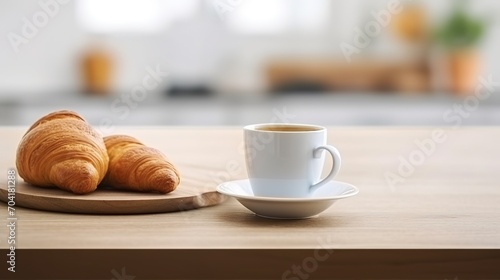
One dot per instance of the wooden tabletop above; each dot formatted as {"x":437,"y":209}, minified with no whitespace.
{"x":451,"y":199}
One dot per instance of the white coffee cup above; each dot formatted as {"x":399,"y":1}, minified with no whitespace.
{"x":286,"y":160}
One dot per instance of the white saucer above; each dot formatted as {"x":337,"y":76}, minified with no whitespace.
{"x":287,"y":208}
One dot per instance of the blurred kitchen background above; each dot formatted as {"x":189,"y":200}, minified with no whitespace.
{"x":235,"y":62}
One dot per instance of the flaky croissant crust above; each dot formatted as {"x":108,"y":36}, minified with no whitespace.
{"x":62,"y":150}
{"x":134,"y":166}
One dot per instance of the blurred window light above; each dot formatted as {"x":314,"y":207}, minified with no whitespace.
{"x":273,"y":16}
{"x":131,"y":16}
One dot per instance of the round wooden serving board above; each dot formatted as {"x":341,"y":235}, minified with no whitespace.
{"x":107,"y":201}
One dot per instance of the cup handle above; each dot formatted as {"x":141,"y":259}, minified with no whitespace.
{"x":335,"y":166}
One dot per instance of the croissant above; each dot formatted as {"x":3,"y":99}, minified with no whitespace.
{"x":61,"y":149}
{"x":134,"y":166}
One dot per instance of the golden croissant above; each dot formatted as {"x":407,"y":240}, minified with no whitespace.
{"x":61,"y":149}
{"x":134,"y":166}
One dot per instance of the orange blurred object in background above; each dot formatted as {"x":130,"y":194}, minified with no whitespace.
{"x":97,"y":72}
{"x":464,"y":66}
{"x":411,"y":23}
